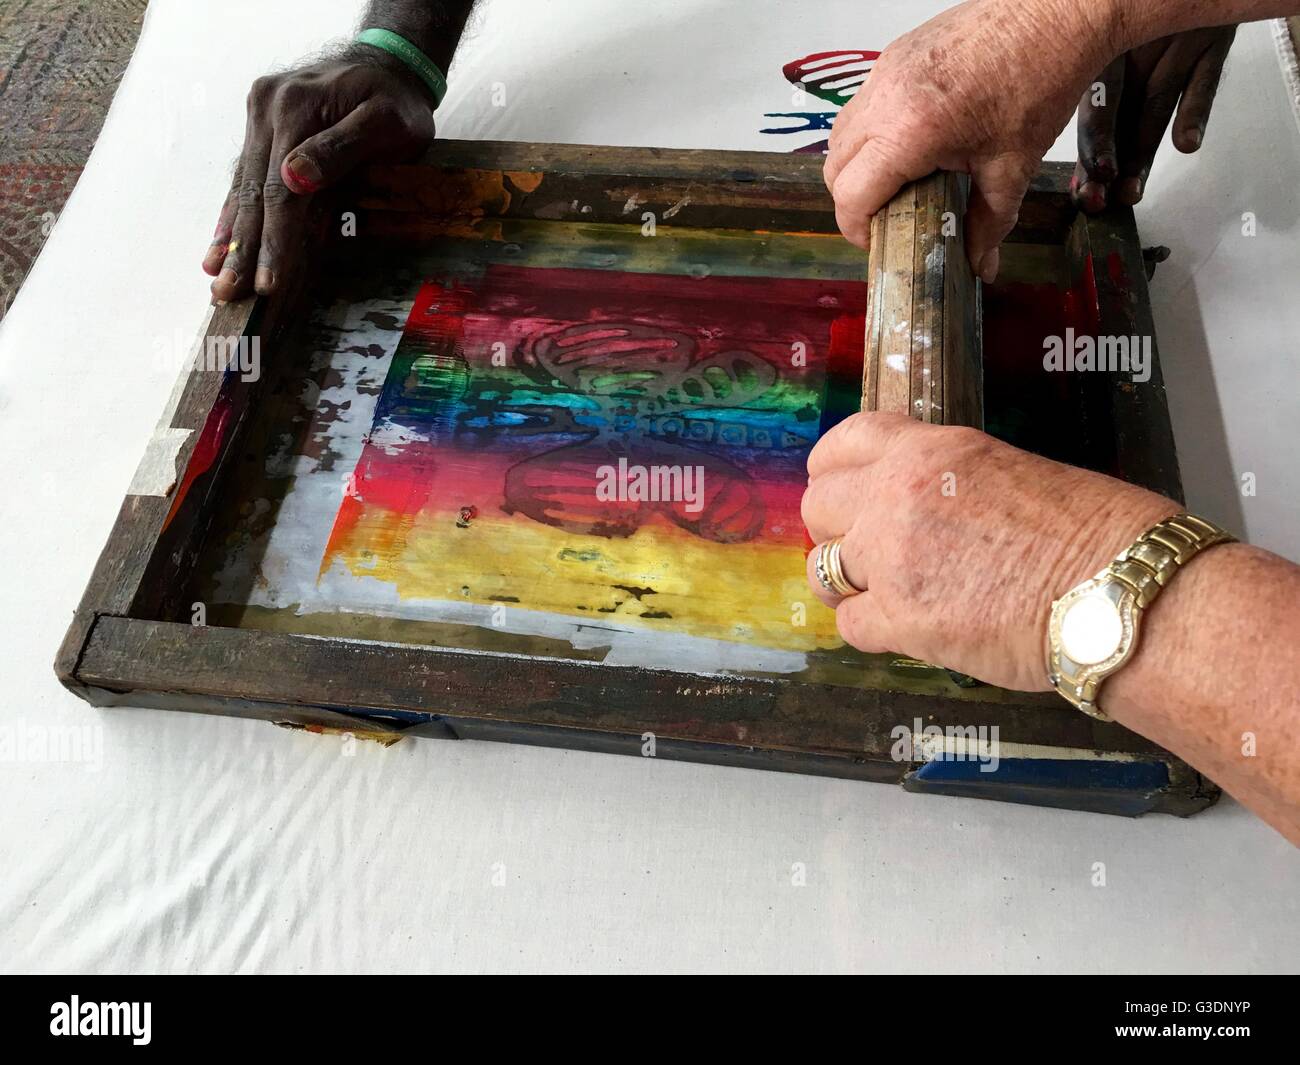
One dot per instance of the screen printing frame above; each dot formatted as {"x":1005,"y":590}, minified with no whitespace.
{"x":121,"y":650}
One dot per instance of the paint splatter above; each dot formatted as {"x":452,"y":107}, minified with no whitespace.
{"x":206,"y":450}
{"x":831,"y":76}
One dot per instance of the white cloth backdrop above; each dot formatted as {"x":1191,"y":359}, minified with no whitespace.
{"x":191,"y":843}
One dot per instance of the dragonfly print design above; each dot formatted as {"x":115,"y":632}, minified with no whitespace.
{"x":647,"y":396}
{"x":831,"y":76}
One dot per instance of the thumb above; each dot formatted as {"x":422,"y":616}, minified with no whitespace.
{"x":331,"y":155}
{"x":998,"y":187}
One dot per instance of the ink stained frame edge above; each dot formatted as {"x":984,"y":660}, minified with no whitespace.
{"x":922,"y":355}
{"x":117,"y":652}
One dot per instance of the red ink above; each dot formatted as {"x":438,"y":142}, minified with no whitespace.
{"x":205,"y":451}
{"x":517,"y":392}
{"x":831,"y":76}
{"x":301,"y":175}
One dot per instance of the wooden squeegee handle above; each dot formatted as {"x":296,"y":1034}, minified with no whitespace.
{"x":923,"y":352}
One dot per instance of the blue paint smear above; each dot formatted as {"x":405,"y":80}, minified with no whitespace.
{"x":812,"y":121}
{"x":1050,"y":773}
{"x":1129,"y":789}
{"x":399,"y":717}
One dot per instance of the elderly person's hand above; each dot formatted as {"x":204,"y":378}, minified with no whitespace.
{"x":961,"y":541}
{"x":1124,"y":113}
{"x":984,"y":88}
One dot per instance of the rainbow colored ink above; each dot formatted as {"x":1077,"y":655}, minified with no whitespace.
{"x":831,"y":76}
{"x":510,"y":392}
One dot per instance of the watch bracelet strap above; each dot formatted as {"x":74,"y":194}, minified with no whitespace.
{"x":1154,"y":557}
{"x":1148,"y":565}
{"x":397,"y":45}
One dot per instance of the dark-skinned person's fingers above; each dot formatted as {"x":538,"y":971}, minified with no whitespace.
{"x":284,"y":215}
{"x":1198,"y":97}
{"x":374,"y":131}
{"x":327,"y":157}
{"x":1088,"y":196}
{"x":216,"y":253}
{"x":305,"y":129}
{"x":235,"y":279}
{"x":1098,"y":161}
{"x":1146,"y":114}
{"x":284,"y":209}
{"x":302,"y":165}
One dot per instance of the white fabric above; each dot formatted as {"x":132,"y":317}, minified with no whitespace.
{"x":1286,"y":55}
{"x":192,"y":843}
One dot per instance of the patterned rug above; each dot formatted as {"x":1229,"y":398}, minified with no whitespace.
{"x":60,"y":62}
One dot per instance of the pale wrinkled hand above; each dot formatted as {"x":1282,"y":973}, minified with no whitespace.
{"x":984,"y":88}
{"x":961,"y":541}
{"x":1124,"y":113}
{"x":308,"y":129}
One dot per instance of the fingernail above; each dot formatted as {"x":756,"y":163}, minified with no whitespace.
{"x":1093,"y":196}
{"x":1130,"y":191}
{"x":1105,"y":167}
{"x":301,"y":174}
{"x":988,"y":270}
{"x":264,"y":279}
{"x":1194,"y":137}
{"x":228,"y":277}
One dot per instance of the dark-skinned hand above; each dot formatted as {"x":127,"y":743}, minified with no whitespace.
{"x":307,"y":129}
{"x":1174,"y":78}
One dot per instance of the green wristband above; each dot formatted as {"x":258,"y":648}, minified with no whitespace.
{"x":395,"y":44}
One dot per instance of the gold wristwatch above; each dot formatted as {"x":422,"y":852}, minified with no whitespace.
{"x":1094,"y":627}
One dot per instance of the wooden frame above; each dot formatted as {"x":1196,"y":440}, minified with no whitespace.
{"x":126,"y":645}
{"x":923,"y":354}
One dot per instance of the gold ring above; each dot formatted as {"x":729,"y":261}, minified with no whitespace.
{"x":830,"y":570}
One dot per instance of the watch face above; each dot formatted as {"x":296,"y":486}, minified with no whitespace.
{"x":1091,"y":629}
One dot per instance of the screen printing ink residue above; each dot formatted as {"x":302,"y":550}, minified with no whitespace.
{"x":511,"y":397}
{"x":830,"y":76}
